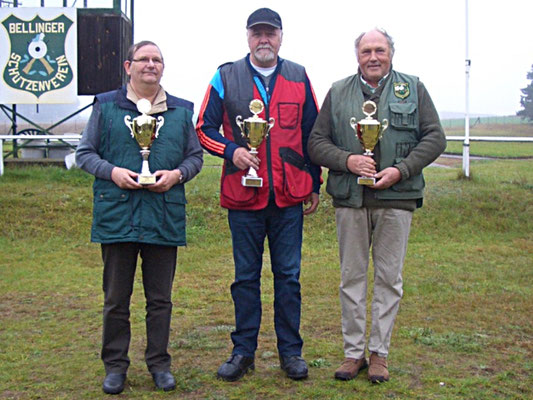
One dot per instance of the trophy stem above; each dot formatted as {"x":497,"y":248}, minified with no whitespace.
{"x":252,"y":179}
{"x":252,"y":172}
{"x":145,"y":170}
{"x":146,"y":177}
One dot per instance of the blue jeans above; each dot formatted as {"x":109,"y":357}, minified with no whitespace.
{"x":283,"y":227}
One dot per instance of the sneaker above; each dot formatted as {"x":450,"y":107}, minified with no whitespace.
{"x":349,"y":368}
{"x":378,"y":370}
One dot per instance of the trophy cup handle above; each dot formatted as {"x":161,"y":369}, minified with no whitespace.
{"x":271,"y":122}
{"x":238,"y":121}
{"x":160,"y":123}
{"x":384,"y":125}
{"x":353,"y":123}
{"x":128,"y":122}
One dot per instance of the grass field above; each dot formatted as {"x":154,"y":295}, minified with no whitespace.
{"x":464,"y":330}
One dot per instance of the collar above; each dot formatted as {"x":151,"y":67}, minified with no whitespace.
{"x":370,"y":88}
{"x":160,"y":101}
{"x":255,"y":70}
{"x":264,"y":71}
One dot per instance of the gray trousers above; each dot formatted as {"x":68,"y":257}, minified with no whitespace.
{"x":385,"y":232}
{"x":158,"y":269}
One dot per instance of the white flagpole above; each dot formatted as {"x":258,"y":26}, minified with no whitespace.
{"x":466,"y":143}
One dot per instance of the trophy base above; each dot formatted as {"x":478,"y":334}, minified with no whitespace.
{"x":252,"y":181}
{"x":146,"y":179}
{"x":365,"y":180}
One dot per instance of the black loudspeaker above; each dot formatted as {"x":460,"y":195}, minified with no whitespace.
{"x":103,"y":42}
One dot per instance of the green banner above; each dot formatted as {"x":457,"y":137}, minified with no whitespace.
{"x":37,"y":63}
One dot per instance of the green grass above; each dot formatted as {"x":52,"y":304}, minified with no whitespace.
{"x":465,"y":319}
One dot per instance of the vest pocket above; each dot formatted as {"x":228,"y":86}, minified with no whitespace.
{"x":232,"y":190}
{"x":112,"y":211}
{"x":297,"y":181}
{"x":174,"y":219}
{"x":338,"y":185}
{"x":403,"y":149}
{"x":403,"y":116}
{"x":288,"y":115}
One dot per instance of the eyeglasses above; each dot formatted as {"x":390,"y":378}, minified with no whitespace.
{"x":146,"y":60}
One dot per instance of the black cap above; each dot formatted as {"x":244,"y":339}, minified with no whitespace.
{"x":264,"y":16}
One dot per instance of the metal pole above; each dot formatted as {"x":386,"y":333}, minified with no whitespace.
{"x":14,"y":130}
{"x":466,"y":143}
{"x":132,"y":12}
{"x":2,"y":157}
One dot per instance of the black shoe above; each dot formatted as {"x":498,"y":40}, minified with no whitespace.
{"x":164,"y":380}
{"x":294,"y":366}
{"x":235,"y":367}
{"x":114,"y":383}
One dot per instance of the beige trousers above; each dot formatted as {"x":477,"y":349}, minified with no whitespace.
{"x":386,"y":232}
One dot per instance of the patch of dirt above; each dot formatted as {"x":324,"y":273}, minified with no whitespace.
{"x":448,"y":162}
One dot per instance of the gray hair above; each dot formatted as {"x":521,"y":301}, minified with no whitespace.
{"x":383,"y":32}
{"x":136,"y":46}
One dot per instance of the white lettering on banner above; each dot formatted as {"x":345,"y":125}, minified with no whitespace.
{"x":36,"y":27}
{"x":37,"y":86}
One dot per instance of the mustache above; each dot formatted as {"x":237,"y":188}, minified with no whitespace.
{"x":265,"y":46}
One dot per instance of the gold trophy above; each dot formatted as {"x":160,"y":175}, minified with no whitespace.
{"x":368,"y":131}
{"x":144,"y":129}
{"x":254,"y":130}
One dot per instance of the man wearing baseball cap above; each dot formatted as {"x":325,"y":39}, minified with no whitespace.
{"x":277,"y":92}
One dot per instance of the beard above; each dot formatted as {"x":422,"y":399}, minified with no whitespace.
{"x":262,"y":56}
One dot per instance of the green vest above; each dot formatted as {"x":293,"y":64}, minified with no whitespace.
{"x":398,"y":104}
{"x":121,"y":215}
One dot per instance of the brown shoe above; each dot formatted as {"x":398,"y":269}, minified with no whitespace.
{"x":378,"y":372}
{"x":349,"y":368}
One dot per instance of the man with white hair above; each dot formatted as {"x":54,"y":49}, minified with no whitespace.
{"x":374,"y":217}
{"x":278,"y":92}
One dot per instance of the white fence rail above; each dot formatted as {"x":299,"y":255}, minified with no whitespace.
{"x":491,"y":138}
{"x":68,"y":136}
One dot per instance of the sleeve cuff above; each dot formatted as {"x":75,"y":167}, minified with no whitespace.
{"x":229,"y":150}
{"x":403,"y":170}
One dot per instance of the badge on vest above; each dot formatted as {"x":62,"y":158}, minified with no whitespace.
{"x":401,"y":89}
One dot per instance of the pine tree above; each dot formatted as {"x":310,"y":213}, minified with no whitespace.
{"x":526,"y":100}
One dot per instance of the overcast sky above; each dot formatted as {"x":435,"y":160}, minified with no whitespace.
{"x":197,"y":36}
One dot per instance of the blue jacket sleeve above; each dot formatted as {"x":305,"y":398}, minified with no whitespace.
{"x":210,"y":119}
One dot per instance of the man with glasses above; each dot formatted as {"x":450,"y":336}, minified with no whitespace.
{"x":130,"y":219}
{"x":278,"y":91}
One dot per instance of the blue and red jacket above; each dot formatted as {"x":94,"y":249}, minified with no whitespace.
{"x":288,"y":175}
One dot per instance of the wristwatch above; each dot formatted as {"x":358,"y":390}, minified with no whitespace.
{"x":180,"y":180}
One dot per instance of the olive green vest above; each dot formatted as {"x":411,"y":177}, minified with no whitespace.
{"x":121,"y":215}
{"x":398,"y":104}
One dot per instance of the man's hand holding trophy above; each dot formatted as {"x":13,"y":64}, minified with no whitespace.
{"x":369,"y":131}
{"x":254,"y":130}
